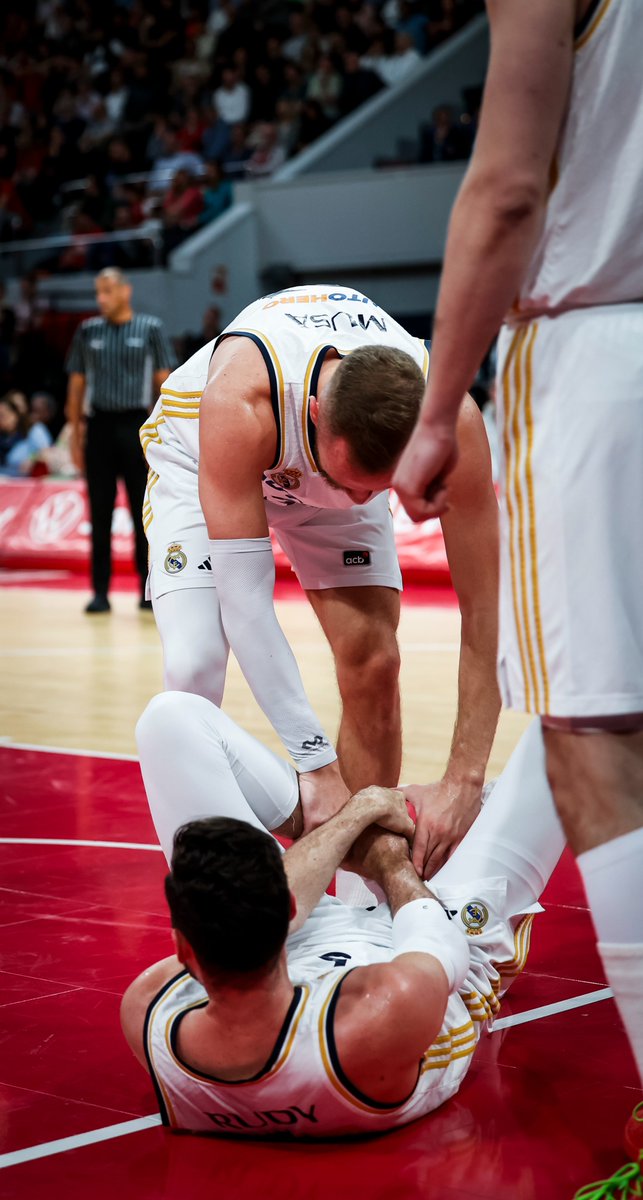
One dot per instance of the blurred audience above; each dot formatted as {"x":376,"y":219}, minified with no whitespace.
{"x":98,"y":99}
{"x":21,"y":440}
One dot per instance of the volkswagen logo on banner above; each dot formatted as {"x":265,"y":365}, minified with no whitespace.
{"x":58,"y":516}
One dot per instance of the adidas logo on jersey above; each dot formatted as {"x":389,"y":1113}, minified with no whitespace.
{"x":206,"y":565}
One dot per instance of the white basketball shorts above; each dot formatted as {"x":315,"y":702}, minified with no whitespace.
{"x":570,"y":416}
{"x":327,"y":548}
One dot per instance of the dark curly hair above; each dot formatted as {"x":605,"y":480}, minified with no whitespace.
{"x":228,"y":895}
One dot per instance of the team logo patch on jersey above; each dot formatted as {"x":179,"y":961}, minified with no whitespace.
{"x":474,"y":916}
{"x":289,"y":479}
{"x":357,"y":558}
{"x":175,"y":559}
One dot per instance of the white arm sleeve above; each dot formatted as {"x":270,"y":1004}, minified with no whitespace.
{"x":423,"y":927}
{"x":243,"y":570}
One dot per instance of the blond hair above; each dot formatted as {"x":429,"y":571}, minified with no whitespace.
{"x":373,"y":400}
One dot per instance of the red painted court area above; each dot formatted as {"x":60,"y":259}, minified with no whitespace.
{"x":541,"y":1112}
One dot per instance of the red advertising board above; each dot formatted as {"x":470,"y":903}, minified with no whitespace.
{"x":45,"y":523}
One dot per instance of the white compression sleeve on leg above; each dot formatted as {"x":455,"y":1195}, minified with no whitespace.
{"x":517,"y":833}
{"x":243,"y":570}
{"x":197,"y":763}
{"x":423,"y":927}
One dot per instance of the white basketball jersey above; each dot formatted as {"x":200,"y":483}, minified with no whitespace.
{"x":302,"y":1089}
{"x":591,"y":248}
{"x":294,"y":331}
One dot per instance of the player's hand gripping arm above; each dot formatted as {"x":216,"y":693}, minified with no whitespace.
{"x":446,"y":810}
{"x":311,"y":862}
{"x":398,"y":1006}
{"x":237,"y":443}
{"x":494,"y":226}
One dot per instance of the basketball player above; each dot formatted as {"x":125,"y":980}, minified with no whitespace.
{"x":548,"y":228}
{"x":293,"y":419}
{"x":266,"y":1020}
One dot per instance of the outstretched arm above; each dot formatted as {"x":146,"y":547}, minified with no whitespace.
{"x":237,"y":443}
{"x":494,"y":226}
{"x":446,"y":810}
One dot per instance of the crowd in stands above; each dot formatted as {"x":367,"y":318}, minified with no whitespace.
{"x":135,"y":114}
{"x":25,"y":436}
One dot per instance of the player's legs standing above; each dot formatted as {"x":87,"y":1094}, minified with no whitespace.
{"x":133,"y":470}
{"x":195,"y":648}
{"x":184,"y":599}
{"x":571,"y":393}
{"x":346,"y":561}
{"x":101,"y":469}
{"x":360,"y":624}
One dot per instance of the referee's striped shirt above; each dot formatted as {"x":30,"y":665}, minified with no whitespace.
{"x":118,"y":361}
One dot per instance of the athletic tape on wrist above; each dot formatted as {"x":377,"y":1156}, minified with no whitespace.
{"x":422,"y":927}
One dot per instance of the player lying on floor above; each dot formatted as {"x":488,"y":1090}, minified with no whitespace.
{"x":286,"y":1010}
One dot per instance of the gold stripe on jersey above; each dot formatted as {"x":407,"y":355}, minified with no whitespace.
{"x":281,"y":398}
{"x":425,"y":362}
{"x":588,"y":33}
{"x":520,"y":460}
{"x":148,"y":514}
{"x":484,"y":1006}
{"x":531,"y":503}
{"x":152,"y":480}
{"x":457,"y":1043}
{"x":514,"y":347}
{"x":150,"y":1049}
{"x":328,"y":1066}
{"x":239,"y":1083}
{"x":181,"y":395}
{"x":522,"y":942}
{"x":312,"y":364}
{"x":521,"y":507}
{"x":150,"y":433}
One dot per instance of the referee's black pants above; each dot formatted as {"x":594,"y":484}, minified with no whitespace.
{"x":113,"y":449}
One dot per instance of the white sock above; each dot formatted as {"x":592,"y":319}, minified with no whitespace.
{"x":623,"y":966}
{"x":613,"y":878}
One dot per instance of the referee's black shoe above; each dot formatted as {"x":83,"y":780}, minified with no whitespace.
{"x":98,"y":604}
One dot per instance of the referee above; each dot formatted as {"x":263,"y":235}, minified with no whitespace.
{"x":113,"y":362}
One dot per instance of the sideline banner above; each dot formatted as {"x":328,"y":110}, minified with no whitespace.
{"x":45,"y":523}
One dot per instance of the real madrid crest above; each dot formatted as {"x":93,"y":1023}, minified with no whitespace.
{"x":474,"y":917}
{"x":289,"y":479}
{"x":175,"y":559}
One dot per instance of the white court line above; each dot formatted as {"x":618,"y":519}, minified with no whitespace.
{"x":549,"y":1010}
{"x":113,"y":1131}
{"x":45,"y":1149}
{"x":7,"y":744}
{"x":75,"y":651}
{"x":8,"y":841}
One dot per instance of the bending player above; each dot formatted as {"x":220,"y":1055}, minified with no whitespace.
{"x":292,"y":420}
{"x":266,"y":1019}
